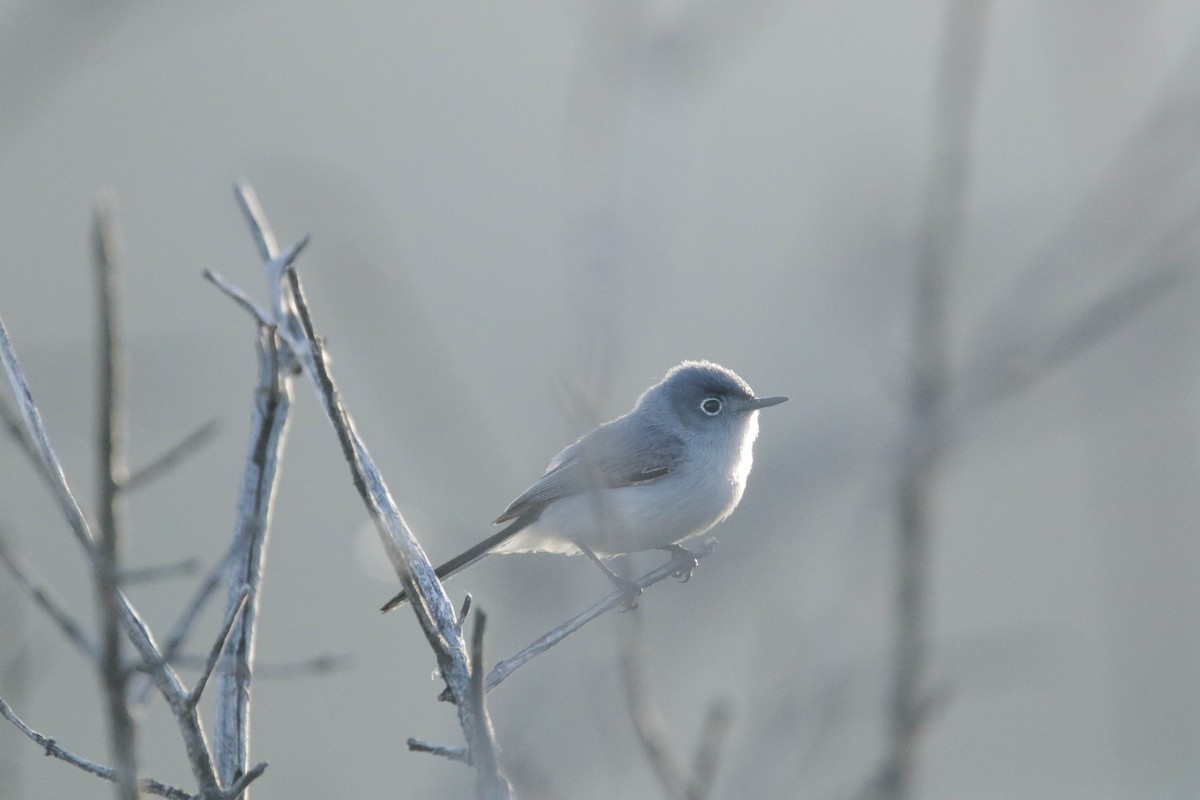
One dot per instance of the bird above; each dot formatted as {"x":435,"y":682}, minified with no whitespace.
{"x":665,"y":472}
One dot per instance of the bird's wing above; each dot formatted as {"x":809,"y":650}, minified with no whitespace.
{"x":615,"y":454}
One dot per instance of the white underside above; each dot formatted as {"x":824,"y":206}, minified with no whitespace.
{"x":647,"y":516}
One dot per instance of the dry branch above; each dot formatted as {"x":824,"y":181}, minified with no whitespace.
{"x":45,"y":599}
{"x":188,"y":720}
{"x":53,"y":748}
{"x":112,"y":471}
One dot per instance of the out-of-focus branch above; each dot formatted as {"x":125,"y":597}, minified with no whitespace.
{"x":188,"y":720}
{"x":42,"y":595}
{"x":172,"y":457}
{"x":112,"y":472}
{"x":53,"y":748}
{"x":937,"y":246}
{"x":1027,"y":362}
{"x":322,"y":664}
{"x":681,"y":562}
{"x":489,"y":779}
{"x":652,"y":732}
{"x":162,"y":572}
{"x":183,"y":626}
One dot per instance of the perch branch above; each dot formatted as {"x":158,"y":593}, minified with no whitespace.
{"x":617,"y":598}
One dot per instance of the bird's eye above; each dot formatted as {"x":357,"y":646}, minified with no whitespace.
{"x":711,"y":406}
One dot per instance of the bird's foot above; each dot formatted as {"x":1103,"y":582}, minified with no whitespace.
{"x":684,"y":573}
{"x":631,"y":589}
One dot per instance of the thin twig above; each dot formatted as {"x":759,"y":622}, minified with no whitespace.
{"x":458,"y":754}
{"x":112,"y":472}
{"x":238,"y":787}
{"x":39,"y":440}
{"x":52,"y":748}
{"x":183,"y":626}
{"x":1025,"y":365}
{"x":279,"y":670}
{"x":239,"y":297}
{"x":648,"y":724}
{"x":42,"y":595}
{"x":260,"y":228}
{"x":16,"y":428}
{"x":218,"y":647}
{"x":489,"y":780}
{"x":180,"y":569}
{"x":710,"y":750}
{"x":617,"y":598}
{"x":172,"y":457}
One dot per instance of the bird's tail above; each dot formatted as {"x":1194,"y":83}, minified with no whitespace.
{"x":470,"y":556}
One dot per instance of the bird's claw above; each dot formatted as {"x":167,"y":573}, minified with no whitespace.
{"x":684,"y":573}
{"x":631,"y":590}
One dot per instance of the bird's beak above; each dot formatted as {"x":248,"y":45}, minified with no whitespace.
{"x":764,"y":402}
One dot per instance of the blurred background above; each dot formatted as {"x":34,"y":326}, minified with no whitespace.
{"x":959,"y":236}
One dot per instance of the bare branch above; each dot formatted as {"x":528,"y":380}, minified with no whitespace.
{"x":112,"y":471}
{"x":489,"y":780}
{"x":238,"y":787}
{"x":179,"y":569}
{"x":1028,"y":363}
{"x":183,"y":626}
{"x":956,"y":95}
{"x":652,"y":732}
{"x":165,"y":678}
{"x":279,"y":670}
{"x":255,"y":505}
{"x":39,"y":441}
{"x":617,"y":598}
{"x":458,"y":754}
{"x":187,"y":717}
{"x":42,"y":595}
{"x":710,"y":750}
{"x":218,"y":647}
{"x":172,"y":457}
{"x":239,"y":297}
{"x":433,"y":608}
{"x":648,"y":723}
{"x":16,"y":428}
{"x":52,"y":748}
{"x":260,"y":228}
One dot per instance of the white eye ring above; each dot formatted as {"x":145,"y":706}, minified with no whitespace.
{"x":711,"y":406}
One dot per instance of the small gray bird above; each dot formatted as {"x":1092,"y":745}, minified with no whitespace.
{"x":666,"y":472}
